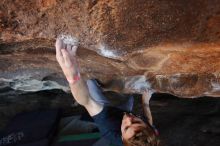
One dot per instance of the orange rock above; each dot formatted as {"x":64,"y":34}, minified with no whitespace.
{"x":168,"y":46}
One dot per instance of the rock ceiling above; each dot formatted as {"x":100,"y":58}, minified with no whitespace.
{"x":170,"y":46}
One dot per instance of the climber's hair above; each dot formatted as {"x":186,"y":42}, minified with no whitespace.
{"x":145,"y":137}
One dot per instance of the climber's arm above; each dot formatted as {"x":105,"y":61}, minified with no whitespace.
{"x":146,"y":106}
{"x":81,"y":94}
{"x":66,"y":57}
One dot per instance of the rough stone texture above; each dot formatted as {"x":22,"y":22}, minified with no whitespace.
{"x":170,"y":46}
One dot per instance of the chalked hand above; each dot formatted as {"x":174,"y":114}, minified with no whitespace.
{"x":66,"y":57}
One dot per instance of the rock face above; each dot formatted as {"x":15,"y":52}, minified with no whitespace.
{"x":169,"y":46}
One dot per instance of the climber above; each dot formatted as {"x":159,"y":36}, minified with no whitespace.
{"x":119,"y":126}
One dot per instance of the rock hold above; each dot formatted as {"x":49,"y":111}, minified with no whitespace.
{"x":174,"y":45}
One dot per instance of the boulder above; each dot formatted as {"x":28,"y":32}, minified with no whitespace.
{"x":168,"y":46}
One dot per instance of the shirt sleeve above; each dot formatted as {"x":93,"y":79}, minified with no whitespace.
{"x":109,"y":123}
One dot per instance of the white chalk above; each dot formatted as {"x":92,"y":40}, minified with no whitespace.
{"x":138,"y":84}
{"x":215,"y":87}
{"x":32,"y":85}
{"x":68,"y":39}
{"x":106,"y":52}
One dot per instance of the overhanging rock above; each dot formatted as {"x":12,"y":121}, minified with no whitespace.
{"x":170,"y":46}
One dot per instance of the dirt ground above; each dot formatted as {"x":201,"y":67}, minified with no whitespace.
{"x":181,"y":122}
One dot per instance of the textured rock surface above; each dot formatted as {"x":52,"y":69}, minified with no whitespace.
{"x":170,"y":46}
